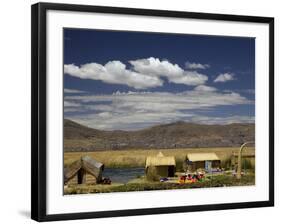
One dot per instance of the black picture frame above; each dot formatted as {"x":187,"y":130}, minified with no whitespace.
{"x":39,"y":123}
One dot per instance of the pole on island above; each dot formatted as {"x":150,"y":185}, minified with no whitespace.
{"x":238,"y":174}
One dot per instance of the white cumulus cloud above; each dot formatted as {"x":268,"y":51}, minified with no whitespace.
{"x":224,"y":77}
{"x":144,"y":73}
{"x":173,"y":72}
{"x":113,"y":72}
{"x":136,"y":110}
{"x":193,"y":65}
{"x":205,"y":88}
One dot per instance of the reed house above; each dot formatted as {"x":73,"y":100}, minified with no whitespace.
{"x":163,"y":166}
{"x":205,"y":161}
{"x":86,"y":170}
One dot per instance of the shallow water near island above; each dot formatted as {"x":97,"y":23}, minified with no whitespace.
{"x":123,"y":175}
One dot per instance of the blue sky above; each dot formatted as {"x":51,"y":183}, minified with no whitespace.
{"x":133,"y":80}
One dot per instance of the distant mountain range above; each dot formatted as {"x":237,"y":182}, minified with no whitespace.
{"x":175,"y":135}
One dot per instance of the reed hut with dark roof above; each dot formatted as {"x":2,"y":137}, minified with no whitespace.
{"x":164,"y":166}
{"x":84,"y":171}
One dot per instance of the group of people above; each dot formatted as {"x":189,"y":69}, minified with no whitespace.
{"x":191,"y":178}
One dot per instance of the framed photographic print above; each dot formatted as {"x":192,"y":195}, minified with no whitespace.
{"x":138,"y":111}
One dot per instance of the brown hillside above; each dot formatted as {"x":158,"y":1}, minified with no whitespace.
{"x":175,"y":135}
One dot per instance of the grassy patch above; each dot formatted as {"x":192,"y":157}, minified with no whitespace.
{"x":143,"y":185}
{"x":136,"y":158}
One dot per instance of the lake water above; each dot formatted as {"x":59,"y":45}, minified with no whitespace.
{"x":122,"y":175}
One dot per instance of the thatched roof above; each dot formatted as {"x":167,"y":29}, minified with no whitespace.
{"x":160,"y":160}
{"x":87,"y":163}
{"x":194,"y":157}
